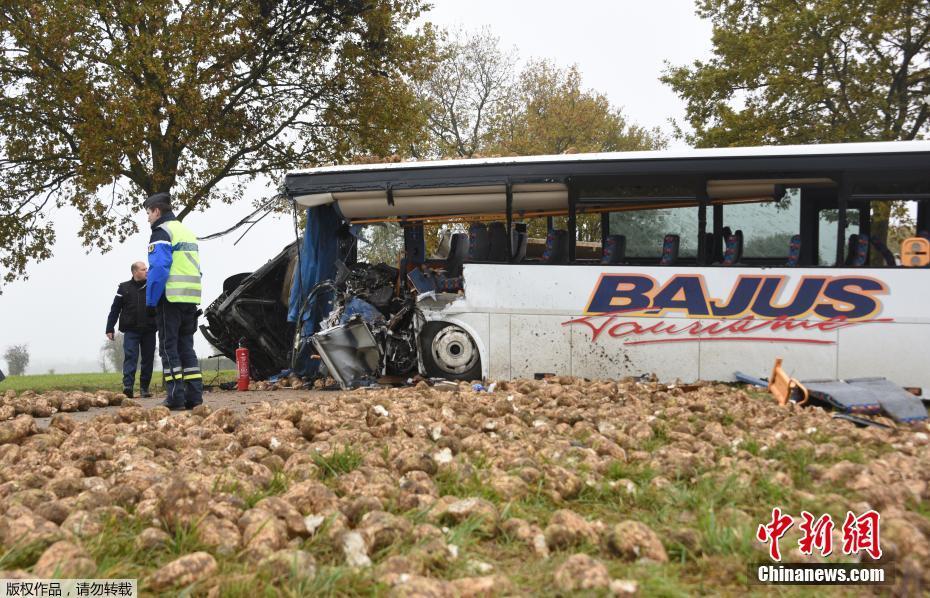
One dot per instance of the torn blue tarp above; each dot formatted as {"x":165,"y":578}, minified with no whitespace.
{"x":356,"y":306}
{"x":282,"y":375}
{"x":317,"y":262}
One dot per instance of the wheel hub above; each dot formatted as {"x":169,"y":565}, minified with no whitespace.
{"x":454,"y":351}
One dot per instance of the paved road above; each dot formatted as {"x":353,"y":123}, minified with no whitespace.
{"x":237,"y":401}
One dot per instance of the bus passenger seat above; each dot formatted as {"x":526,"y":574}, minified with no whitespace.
{"x":478,"y":242}
{"x":794,"y":251}
{"x":852,"y":245}
{"x":520,"y":240}
{"x":449,"y":285}
{"x":721,"y":244}
{"x":442,"y":249}
{"x":734,"y":249}
{"x":556,"y":251}
{"x":458,"y":251}
{"x":669,"y":250}
{"x":614,"y":249}
{"x":860,"y":251}
{"x":497,"y":242}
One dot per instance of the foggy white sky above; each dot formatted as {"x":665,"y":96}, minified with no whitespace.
{"x":619,"y":45}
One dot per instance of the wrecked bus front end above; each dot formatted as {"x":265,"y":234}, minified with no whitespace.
{"x":360,"y":326}
{"x":364,"y":326}
{"x":253,"y":307}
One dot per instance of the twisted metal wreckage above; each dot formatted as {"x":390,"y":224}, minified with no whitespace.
{"x":309,"y":312}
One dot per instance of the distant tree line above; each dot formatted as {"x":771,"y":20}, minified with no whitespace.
{"x":17,"y":359}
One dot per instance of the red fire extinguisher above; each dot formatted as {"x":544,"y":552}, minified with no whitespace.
{"x":242,"y":364}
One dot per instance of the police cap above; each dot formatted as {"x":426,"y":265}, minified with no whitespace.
{"x":161,"y":200}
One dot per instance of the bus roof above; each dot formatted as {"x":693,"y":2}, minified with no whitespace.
{"x":543,"y":184}
{"x":762,"y":151}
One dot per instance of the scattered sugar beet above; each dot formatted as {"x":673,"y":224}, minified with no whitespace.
{"x":538,"y":485}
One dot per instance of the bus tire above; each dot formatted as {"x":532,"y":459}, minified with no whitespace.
{"x":450,"y":352}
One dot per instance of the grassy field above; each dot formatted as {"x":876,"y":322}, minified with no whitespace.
{"x":699,"y":469}
{"x":710,"y":561}
{"x":93,"y":381}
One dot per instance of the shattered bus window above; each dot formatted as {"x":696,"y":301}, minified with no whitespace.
{"x":380,"y":243}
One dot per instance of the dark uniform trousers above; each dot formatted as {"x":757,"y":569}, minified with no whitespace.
{"x":134,"y":343}
{"x":177,"y":323}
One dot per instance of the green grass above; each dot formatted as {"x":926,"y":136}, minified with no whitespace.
{"x":716,"y":564}
{"x":659,"y":439}
{"x":639,"y":474}
{"x":277,"y":487}
{"x":91,"y":382}
{"x":337,"y":462}
{"x":718,"y":509}
{"x":339,"y":581}
{"x":450,"y":482}
{"x":20,"y":555}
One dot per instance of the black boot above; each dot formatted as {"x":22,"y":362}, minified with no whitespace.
{"x":146,"y":394}
{"x":127,"y":392}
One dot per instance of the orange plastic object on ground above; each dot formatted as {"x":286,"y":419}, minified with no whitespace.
{"x":781,"y":385}
{"x":915,"y":252}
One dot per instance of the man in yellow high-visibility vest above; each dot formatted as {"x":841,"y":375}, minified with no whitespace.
{"x":173,"y":293}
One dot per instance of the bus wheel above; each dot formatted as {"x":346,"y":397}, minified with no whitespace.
{"x":450,"y":352}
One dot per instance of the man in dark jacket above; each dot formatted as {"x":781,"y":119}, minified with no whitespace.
{"x":138,"y":329}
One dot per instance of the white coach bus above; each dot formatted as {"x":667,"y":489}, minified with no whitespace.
{"x":694,"y":263}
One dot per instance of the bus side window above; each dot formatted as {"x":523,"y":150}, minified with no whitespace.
{"x":827,"y":231}
{"x":645,"y":231}
{"x":766,"y":229}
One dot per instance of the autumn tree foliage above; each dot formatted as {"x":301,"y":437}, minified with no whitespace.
{"x":551,"y":112}
{"x":104,"y":102}
{"x":787,"y":71}
{"x":473,"y":83}
{"x":481,"y":104}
